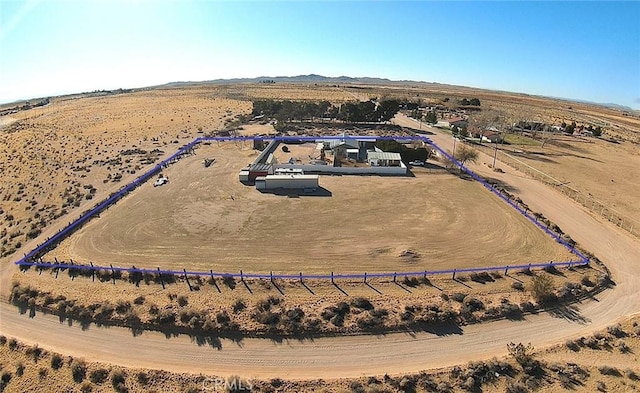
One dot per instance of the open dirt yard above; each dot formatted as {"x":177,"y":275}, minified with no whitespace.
{"x":204,"y":218}
{"x":52,"y":157}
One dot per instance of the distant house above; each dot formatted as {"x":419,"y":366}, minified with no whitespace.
{"x":492,"y":136}
{"x":456,"y":121}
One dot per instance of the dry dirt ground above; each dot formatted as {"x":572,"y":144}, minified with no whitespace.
{"x":204,"y":218}
{"x":28,"y":138}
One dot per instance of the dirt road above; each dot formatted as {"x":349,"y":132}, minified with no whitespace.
{"x":397,"y":353}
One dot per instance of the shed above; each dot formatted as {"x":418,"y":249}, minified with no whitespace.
{"x":383,"y":158}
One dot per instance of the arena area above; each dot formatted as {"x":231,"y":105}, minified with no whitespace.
{"x":204,"y":218}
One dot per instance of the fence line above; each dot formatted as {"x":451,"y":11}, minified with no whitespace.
{"x":241,"y":275}
{"x":50,"y":243}
{"x":620,"y":219}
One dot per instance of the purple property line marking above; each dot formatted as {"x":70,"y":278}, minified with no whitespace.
{"x":50,"y":243}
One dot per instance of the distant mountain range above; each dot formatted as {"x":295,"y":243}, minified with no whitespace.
{"x":311,"y":78}
{"x":315,"y":78}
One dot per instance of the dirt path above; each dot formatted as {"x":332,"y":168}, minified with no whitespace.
{"x":351,"y":356}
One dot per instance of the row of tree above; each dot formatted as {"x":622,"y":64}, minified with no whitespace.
{"x":469,"y":102}
{"x":357,"y":112}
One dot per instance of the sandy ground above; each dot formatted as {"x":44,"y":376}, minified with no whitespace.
{"x":328,"y":357}
{"x":365,"y":355}
{"x":206,"y":219}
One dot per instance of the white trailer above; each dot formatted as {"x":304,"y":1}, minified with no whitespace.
{"x":294,"y":181}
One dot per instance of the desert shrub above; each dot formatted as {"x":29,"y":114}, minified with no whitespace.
{"x":229,"y":281}
{"x":608,"y":370}
{"x":444,"y":296}
{"x":572,"y":345}
{"x":473,"y":304}
{"x":411,"y":281}
{"x":34,"y":352}
{"x":586,"y":281}
{"x":510,"y":310}
{"x":295,"y":314}
{"x":482,"y":277}
{"x":42,"y":373}
{"x":601,"y":387}
{"x":623,"y":347}
{"x":118,"y":380}
{"x":78,"y":370}
{"x":616,"y":331}
{"x":19,"y":369}
{"x":356,"y":387}
{"x":222,"y":317}
{"x":13,"y":344}
{"x":267,"y":317}
{"x":99,"y":375}
{"x":527,"y":307}
{"x":239,"y":305}
{"x":182,"y":301}
{"x":86,"y":387}
{"x":570,"y":290}
{"x":361,"y":303}
{"x":3,"y":340}
{"x":139,"y":300}
{"x":542,"y":289}
{"x":518,"y":286}
{"x":122,"y":306}
{"x":458,"y":297}
{"x":632,"y":375}
{"x":56,"y":361}
{"x":142,"y":378}
{"x":5,"y":378}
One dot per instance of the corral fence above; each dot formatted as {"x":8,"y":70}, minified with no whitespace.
{"x":620,"y":219}
{"x":56,"y":266}
{"x":34,"y":257}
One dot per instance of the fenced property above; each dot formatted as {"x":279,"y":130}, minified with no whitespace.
{"x":34,"y":258}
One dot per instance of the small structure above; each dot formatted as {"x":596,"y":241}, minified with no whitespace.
{"x":384,"y":158}
{"x":288,"y":182}
{"x":456,"y":121}
{"x":492,"y":136}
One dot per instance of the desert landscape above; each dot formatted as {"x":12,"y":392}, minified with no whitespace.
{"x":59,"y":159}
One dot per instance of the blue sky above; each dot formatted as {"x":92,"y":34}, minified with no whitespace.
{"x":581,"y":50}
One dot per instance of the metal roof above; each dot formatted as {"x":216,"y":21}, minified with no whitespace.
{"x":383,"y":155}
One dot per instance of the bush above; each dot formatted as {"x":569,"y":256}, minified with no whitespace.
{"x":34,"y":352}
{"x":86,"y":387}
{"x":616,"y":331}
{"x":608,"y":370}
{"x":182,"y":301}
{"x":99,"y":376}
{"x":458,"y":297}
{"x":118,"y":379}
{"x":19,"y":369}
{"x":78,"y":370}
{"x":518,"y":286}
{"x":239,"y":305}
{"x":5,"y":378}
{"x":361,"y":303}
{"x":56,"y":361}
{"x":632,"y":375}
{"x":142,"y":378}
{"x":13,"y":344}
{"x":542,"y":289}
{"x":3,"y":340}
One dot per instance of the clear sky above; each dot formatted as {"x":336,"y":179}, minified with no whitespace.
{"x":582,"y":50}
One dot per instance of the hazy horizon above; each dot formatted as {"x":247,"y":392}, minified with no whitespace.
{"x":583,"y":51}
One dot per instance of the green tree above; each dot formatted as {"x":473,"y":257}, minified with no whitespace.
{"x":431,"y":117}
{"x":597,"y":131}
{"x":386,"y":110}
